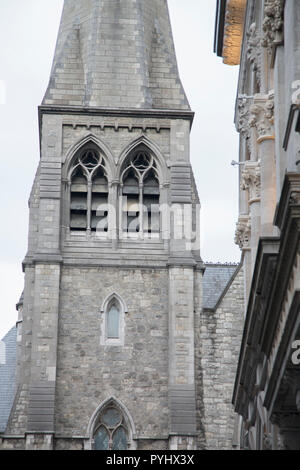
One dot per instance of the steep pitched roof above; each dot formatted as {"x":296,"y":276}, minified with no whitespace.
{"x":116,"y":55}
{"x":8,"y":351}
{"x":216,"y":279}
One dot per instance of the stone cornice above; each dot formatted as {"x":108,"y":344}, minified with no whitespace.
{"x":279,"y":363}
{"x":287,"y":218}
{"x":229,"y":30}
{"x":270,"y":322}
{"x":116,"y":112}
{"x":294,"y":108}
{"x":290,"y":197}
{"x":259,"y":297}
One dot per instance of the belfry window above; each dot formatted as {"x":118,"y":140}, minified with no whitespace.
{"x":89,"y":193}
{"x":111,"y":431}
{"x":140,"y":194}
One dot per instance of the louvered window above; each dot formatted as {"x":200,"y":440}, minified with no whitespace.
{"x":140,"y":194}
{"x":89,"y":193}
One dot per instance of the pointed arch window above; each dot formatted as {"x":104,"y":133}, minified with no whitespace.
{"x":111,"y":430}
{"x":111,"y":427}
{"x":89,"y":192}
{"x":113,"y":320}
{"x":140,"y":194}
{"x":113,"y":312}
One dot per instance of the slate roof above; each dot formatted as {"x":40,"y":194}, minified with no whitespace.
{"x":94,"y":66}
{"x":215,"y":280}
{"x":7,"y":375}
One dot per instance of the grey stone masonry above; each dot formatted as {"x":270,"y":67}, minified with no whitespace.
{"x":115,"y":95}
{"x":220,"y":333}
{"x":115,"y":54}
{"x":89,"y":372}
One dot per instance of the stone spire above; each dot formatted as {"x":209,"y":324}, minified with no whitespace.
{"x":116,"y":54}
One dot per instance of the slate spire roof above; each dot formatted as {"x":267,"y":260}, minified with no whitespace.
{"x":116,"y":54}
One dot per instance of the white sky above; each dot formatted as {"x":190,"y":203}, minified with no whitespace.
{"x":28,"y":30}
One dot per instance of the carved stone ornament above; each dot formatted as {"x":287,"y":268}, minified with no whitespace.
{"x":243,"y":117}
{"x":272,"y":24}
{"x":294,"y":198}
{"x":262,"y":114}
{"x":267,"y":441}
{"x":251,"y":179}
{"x":254,"y":51}
{"x":243,"y":232}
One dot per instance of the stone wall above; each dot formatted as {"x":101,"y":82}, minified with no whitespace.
{"x":136,"y":373}
{"x":220,"y":334}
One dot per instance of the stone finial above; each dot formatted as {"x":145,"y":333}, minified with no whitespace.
{"x":251,"y":180}
{"x":272,"y":23}
{"x":243,"y":232}
{"x":262,"y":115}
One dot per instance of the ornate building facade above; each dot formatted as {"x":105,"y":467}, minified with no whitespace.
{"x":117,"y":347}
{"x":262,"y":37}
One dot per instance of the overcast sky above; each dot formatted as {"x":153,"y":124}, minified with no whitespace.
{"x":28,"y":31}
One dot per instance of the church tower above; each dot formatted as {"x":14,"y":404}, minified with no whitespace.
{"x":107,"y":350}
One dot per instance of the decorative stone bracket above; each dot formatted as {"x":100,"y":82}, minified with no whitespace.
{"x":262,"y":116}
{"x":243,"y":232}
{"x":251,"y":180}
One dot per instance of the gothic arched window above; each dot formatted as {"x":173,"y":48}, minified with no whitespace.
{"x":140,"y":194}
{"x":111,"y":431}
{"x":89,"y":192}
{"x":113,"y":320}
{"x":113,"y":312}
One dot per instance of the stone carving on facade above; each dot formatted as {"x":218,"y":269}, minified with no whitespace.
{"x":262,"y":115}
{"x":254,"y":50}
{"x":243,"y":117}
{"x":251,"y":179}
{"x":267,"y":441}
{"x":243,"y":232}
{"x":272,"y":24}
{"x":294,"y":198}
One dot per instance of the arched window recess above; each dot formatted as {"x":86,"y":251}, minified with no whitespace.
{"x":113,"y":321}
{"x":111,"y":427}
{"x":140,"y":193}
{"x":88,"y":192}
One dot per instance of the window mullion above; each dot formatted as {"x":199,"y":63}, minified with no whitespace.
{"x":141,"y":213}
{"x":68,"y":221}
{"x":89,"y":205}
